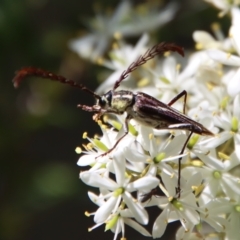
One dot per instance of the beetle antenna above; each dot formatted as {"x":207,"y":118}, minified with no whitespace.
{"x":149,"y":54}
{"x":31,"y":71}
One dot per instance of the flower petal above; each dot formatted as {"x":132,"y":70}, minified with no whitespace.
{"x":96,"y":180}
{"x":160,"y":224}
{"x":139,"y":213}
{"x":233,"y":86}
{"x":105,"y":210}
{"x":144,"y":183}
{"x":223,"y":57}
{"x":137,"y":227}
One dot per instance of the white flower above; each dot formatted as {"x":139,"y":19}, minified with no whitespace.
{"x":95,"y":148}
{"x":120,"y":59}
{"x":119,"y":190}
{"x":228,"y":59}
{"x":205,"y":40}
{"x":214,"y":212}
{"x":233,"y":86}
{"x":169,"y":79}
{"x":116,"y":222}
{"x":229,"y":123}
{"x":183,"y":209}
{"x":159,"y":154}
{"x":120,"y":24}
{"x":103,"y":28}
{"x":147,"y":159}
{"x":216,"y":174}
{"x":224,"y":5}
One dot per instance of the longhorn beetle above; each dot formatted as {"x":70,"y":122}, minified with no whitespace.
{"x":139,"y":106}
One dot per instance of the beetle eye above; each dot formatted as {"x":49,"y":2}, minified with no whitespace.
{"x":102,"y":101}
{"x":108,"y":97}
{"x":105,"y":99}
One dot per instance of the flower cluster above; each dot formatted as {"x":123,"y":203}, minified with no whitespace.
{"x":143,"y":169}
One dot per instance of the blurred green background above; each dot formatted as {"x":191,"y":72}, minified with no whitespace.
{"x":40,"y":125}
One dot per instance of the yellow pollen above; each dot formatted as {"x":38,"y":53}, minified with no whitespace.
{"x":220,"y":73}
{"x":143,"y":82}
{"x":209,"y":86}
{"x":178,"y":67}
{"x":196,"y":163}
{"x":87,"y":214}
{"x":104,"y":126}
{"x":194,"y":188}
{"x":215,"y":26}
{"x":198,"y":46}
{"x":166,"y":54}
{"x":84,"y":135}
{"x":172,"y":132}
{"x":229,"y":55}
{"x":114,"y":46}
{"x":150,"y":136}
{"x":96,"y":136}
{"x":89,"y":146}
{"x":78,"y":150}
{"x":99,"y":122}
{"x":220,"y":14}
{"x":149,"y":160}
{"x":105,"y":118}
{"x":100,"y":61}
{"x":117,"y":35}
{"x":223,"y":156}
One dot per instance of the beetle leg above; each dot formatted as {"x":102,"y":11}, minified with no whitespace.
{"x":178,"y":189}
{"x":183,"y":93}
{"x":183,"y":126}
{"x":126,"y":130}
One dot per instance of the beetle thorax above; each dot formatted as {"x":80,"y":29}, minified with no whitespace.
{"x":121,"y":100}
{"x":117,"y":101}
